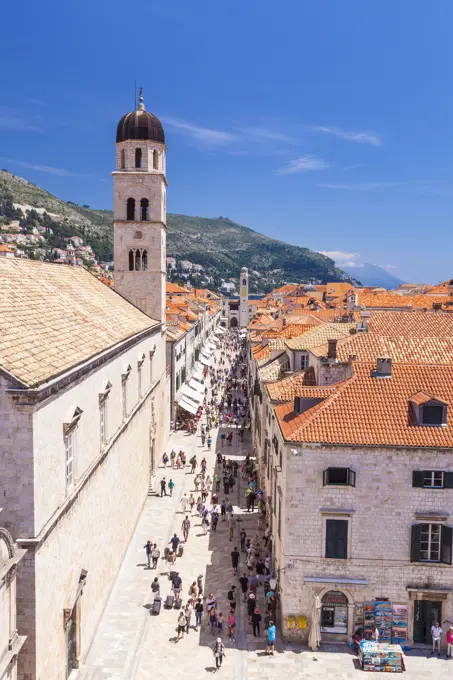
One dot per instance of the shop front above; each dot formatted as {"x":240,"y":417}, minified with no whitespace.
{"x":334,"y":614}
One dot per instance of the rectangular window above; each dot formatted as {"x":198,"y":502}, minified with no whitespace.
{"x":279,"y":516}
{"x":103,"y":422}
{"x":433,"y":415}
{"x":431,"y":543}
{"x":124,"y":394}
{"x":69,"y":444}
{"x":339,"y":477}
{"x":303,"y":362}
{"x":432,"y":479}
{"x":139,"y":382}
{"x":337,"y":538}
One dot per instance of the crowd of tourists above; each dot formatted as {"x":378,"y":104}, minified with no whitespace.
{"x":226,"y":406}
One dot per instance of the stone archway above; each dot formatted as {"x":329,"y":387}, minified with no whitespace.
{"x":233,"y":322}
{"x":349,"y":604}
{"x":6,"y":537}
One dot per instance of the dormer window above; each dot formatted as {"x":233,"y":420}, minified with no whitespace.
{"x":428,"y":410}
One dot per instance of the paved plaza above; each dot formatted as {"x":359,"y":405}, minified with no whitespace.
{"x":132,"y":644}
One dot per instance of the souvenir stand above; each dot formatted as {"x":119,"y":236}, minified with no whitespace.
{"x":390,"y":620}
{"x":380,"y":657}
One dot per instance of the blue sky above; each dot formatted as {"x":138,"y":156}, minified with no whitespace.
{"x":326,"y":124}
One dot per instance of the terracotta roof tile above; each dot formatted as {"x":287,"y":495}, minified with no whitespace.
{"x":320,"y":334}
{"x":412,"y":324}
{"x":286,"y":389}
{"x":53,"y":317}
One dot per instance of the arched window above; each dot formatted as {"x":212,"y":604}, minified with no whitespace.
{"x":145,"y":260}
{"x":123,"y":159}
{"x":138,"y":158}
{"x":155,"y":160}
{"x":131,"y":260}
{"x":130,"y":209}
{"x":144,"y":205}
{"x":137,"y":261}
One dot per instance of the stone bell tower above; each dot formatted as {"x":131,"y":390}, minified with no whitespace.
{"x":244,"y":298}
{"x":140,"y":214}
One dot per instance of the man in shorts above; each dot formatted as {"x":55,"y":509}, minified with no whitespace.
{"x":271,"y":632}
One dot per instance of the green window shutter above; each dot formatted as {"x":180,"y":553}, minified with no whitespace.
{"x":325,"y":477}
{"x":448,"y":480}
{"x":446,"y":544}
{"x":337,"y":538}
{"x":417,"y":478}
{"x":415,"y":542}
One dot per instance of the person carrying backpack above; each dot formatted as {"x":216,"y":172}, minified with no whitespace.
{"x":171,"y":486}
{"x":215,"y":519}
{"x":172,"y":457}
{"x":219,"y":652}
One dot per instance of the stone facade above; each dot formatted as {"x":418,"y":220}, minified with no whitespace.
{"x":67,"y":529}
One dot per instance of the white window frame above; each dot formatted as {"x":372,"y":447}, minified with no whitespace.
{"x":69,"y":447}
{"x":303,"y":361}
{"x":430,"y":526}
{"x":433,"y":474}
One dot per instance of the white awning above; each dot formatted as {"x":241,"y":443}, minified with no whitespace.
{"x":188,"y":406}
{"x":195,"y":385}
{"x":213,"y":338}
{"x":206,"y":354}
{"x":192,"y":394}
{"x":198,"y":375}
{"x":220,"y":329}
{"x":210,"y":345}
{"x":204,"y":361}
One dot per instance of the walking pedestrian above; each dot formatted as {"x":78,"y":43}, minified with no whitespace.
{"x":172,"y":457}
{"x":148,"y":549}
{"x":171,"y":486}
{"x":209,"y":442}
{"x":243,"y":536}
{"x":177,"y":585}
{"x":436,"y":632}
{"x":450,"y":642}
{"x":182,"y":623}
{"x":223,"y":510}
{"x":244,"y":585}
{"x":219,"y":653}
{"x":174,"y":542}
{"x":231,"y":527}
{"x":186,"y":528}
{"x":213,"y":620}
{"x":163,"y":487}
{"x":188,"y":612}
{"x":198,"y":613}
{"x":271,"y":633}
{"x":251,"y":604}
{"x":235,"y":560}
{"x":165,"y":460}
{"x":155,"y":554}
{"x":220,"y":622}
{"x":256,"y":620}
{"x":191,"y":502}
{"x":231,"y":621}
{"x":214,"y":519}
{"x":232,"y":597}
{"x":184,"y":503}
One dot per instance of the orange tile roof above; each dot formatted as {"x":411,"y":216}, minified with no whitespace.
{"x":368,"y":346}
{"x":394,"y":300}
{"x":337,"y":289}
{"x":287,"y":388}
{"x":412,"y":324}
{"x":273,"y":370}
{"x":5,"y":249}
{"x":370,"y":411}
{"x":318,"y":335}
{"x":174,"y":288}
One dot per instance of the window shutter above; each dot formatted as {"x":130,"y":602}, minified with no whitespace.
{"x":446,"y":544}
{"x":351,"y":477}
{"x":448,"y":480}
{"x":417,"y":478}
{"x":415,"y":542}
{"x":337,"y":538}
{"x":342,"y":538}
{"x":325,"y":477}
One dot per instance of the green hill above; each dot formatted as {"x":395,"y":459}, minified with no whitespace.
{"x":221,"y":246}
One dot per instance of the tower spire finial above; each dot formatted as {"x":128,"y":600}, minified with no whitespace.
{"x":141,"y":106}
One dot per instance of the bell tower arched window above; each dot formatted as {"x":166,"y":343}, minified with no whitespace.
{"x":123,"y":159}
{"x":138,"y":158}
{"x":131,"y":260}
{"x":155,"y":160}
{"x":144,"y":260}
{"x":144,"y":210}
{"x":130,"y":213}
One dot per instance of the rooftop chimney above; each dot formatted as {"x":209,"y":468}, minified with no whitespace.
{"x":383,"y":367}
{"x":332,"y":348}
{"x":437,"y":306}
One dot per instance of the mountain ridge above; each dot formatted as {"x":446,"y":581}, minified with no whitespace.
{"x":220,"y":245}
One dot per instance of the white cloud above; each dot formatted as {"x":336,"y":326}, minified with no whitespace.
{"x":207,"y":136}
{"x":350,"y":136}
{"x":60,"y":172}
{"x":261,"y":133}
{"x":15,"y":123}
{"x":388,"y":267}
{"x":364,"y":186}
{"x":303,"y":164}
{"x":342,"y":258}
{"x":32,"y":100}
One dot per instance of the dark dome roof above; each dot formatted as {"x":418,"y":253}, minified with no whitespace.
{"x":140,"y":124}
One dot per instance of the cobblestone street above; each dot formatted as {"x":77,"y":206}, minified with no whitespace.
{"x":132,"y":644}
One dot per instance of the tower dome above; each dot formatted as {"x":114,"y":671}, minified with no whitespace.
{"x":140,"y":124}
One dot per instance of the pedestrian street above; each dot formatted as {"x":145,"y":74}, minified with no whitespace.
{"x":133,"y":644}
